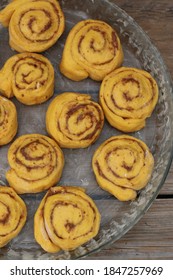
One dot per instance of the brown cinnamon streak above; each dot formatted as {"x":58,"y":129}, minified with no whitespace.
{"x":68,"y":225}
{"x":89,"y":113}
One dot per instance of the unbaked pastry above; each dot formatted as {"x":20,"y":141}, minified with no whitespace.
{"x":65,"y":219}
{"x":74,"y":120}
{"x":8,"y":121}
{"x":128,"y":97}
{"x":28,"y":76}
{"x":123,"y":165}
{"x":92,"y":49}
{"x":13,"y":214}
{"x":34,"y":25}
{"x":36,"y":163}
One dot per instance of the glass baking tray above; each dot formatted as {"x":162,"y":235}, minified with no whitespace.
{"x":116,"y":217}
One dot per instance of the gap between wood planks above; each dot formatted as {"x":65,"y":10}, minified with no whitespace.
{"x":165,"y":196}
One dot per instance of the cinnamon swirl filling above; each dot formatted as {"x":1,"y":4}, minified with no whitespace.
{"x":36,"y":163}
{"x":66,"y":218}
{"x":122,"y":166}
{"x":128,"y":97}
{"x":92,"y":49}
{"x":73,"y":120}
{"x":13,"y":215}
{"x":8,"y":121}
{"x":29,"y":77}
{"x":34,"y":25}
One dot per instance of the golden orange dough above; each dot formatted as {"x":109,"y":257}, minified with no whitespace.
{"x":8,"y":121}
{"x":13,"y":214}
{"x":128,"y":97}
{"x":28,"y":76}
{"x":40,"y":233}
{"x":73,"y":120}
{"x":36,"y":163}
{"x":34,"y":25}
{"x":92,"y":49}
{"x":122,"y":166}
{"x":66,"y":218}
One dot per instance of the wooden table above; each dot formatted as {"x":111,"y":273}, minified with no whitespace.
{"x":152,"y":236}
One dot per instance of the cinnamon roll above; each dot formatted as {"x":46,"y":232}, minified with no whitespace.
{"x":128,"y":97}
{"x":8,"y":121}
{"x":73,"y":120}
{"x":92,"y":49}
{"x":13,"y":215}
{"x":66,"y":218}
{"x":34,"y":25}
{"x":122,"y":166}
{"x":36,"y":163}
{"x":28,"y":76}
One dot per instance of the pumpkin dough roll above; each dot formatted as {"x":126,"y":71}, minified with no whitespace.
{"x":128,"y":97}
{"x":73,"y":120}
{"x":34,"y":26}
{"x":66,"y":218}
{"x":122,"y":166}
{"x":13,"y":214}
{"x":8,"y":121}
{"x":36,"y":163}
{"x":92,"y":49}
{"x":29,"y":77}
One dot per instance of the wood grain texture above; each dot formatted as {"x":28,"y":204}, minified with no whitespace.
{"x":152,"y":236}
{"x":156,"y":19}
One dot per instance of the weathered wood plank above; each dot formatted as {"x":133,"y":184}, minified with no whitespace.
{"x":168,"y":186}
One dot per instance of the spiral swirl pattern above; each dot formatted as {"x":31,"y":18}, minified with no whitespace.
{"x":34,"y":25}
{"x":8,"y":121}
{"x":68,"y":216}
{"x":36,"y":163}
{"x":13,"y":215}
{"x":128,"y":96}
{"x":92,"y":49}
{"x":73,"y":120}
{"x":28,"y":76}
{"x":122,"y":166}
